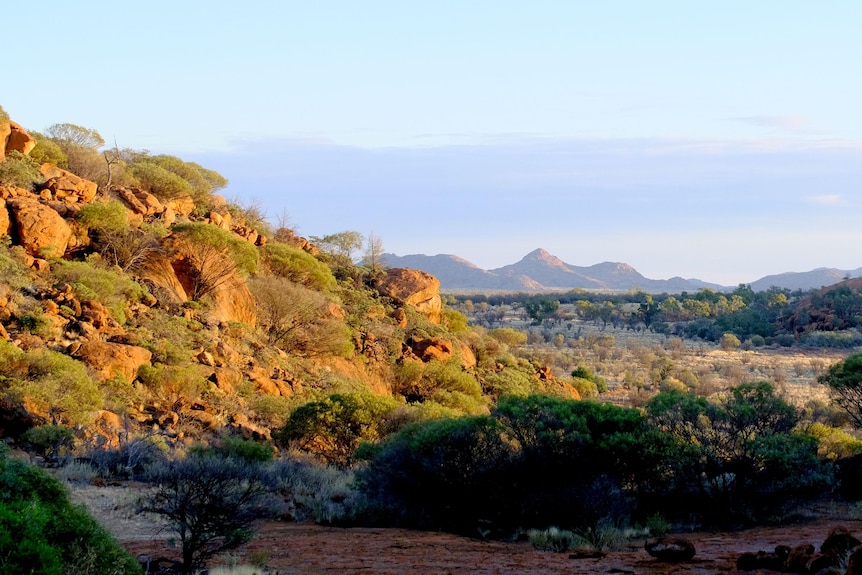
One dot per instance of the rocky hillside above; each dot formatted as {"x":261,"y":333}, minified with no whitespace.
{"x":134,"y":299}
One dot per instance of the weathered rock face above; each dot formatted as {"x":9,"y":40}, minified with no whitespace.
{"x":40,"y":230}
{"x":65,"y":186}
{"x":437,"y":348}
{"x":182,"y":206}
{"x":5,"y":222}
{"x":113,"y":359}
{"x":415,"y":288}
{"x":5,"y":130}
{"x":139,"y":201}
{"x":18,"y":140}
{"x":166,"y":286}
{"x":232,"y":301}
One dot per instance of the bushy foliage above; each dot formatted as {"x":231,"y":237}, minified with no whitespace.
{"x":103,"y":218}
{"x":740,"y":457}
{"x":168,"y":177}
{"x":47,"y":151}
{"x":81,"y":146}
{"x":844,"y":380}
{"x":20,"y":171}
{"x":448,"y":474}
{"x":333,"y":428}
{"x":91,"y":281}
{"x":299,"y":320}
{"x":237,"y":448}
{"x":298,"y":266}
{"x":174,"y":385}
{"x":508,"y":336}
{"x":48,"y":440}
{"x":56,"y":383}
{"x":42,"y":532}
{"x":155,"y":179}
{"x":4,"y":116}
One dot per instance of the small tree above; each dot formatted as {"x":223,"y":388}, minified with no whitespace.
{"x":373,"y":252}
{"x":214,"y":256}
{"x":343,"y":243}
{"x":845,"y":386}
{"x":210,"y":501}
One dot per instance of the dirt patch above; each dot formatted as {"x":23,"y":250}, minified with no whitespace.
{"x":296,"y":549}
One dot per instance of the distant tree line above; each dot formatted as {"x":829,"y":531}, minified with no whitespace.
{"x":775,"y":316}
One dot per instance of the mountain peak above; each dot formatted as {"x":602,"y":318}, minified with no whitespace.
{"x":543,"y":256}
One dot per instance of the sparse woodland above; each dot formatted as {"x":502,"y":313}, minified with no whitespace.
{"x":152,"y":330}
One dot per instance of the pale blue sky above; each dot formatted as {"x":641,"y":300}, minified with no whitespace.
{"x":714,"y":140}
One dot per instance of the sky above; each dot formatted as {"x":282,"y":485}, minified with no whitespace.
{"x":718,"y":141}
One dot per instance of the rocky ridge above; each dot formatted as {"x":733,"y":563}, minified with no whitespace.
{"x":165,"y":359}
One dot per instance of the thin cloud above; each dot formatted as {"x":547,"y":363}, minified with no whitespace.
{"x":784,"y":124}
{"x":827,"y":200}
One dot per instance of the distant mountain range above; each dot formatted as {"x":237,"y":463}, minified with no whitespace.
{"x":542,"y":271}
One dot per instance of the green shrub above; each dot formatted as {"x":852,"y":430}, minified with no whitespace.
{"x":508,"y":336}
{"x":169,"y":177}
{"x":103,"y":218}
{"x":47,"y":151}
{"x":4,"y":116}
{"x":334,"y":427}
{"x":20,"y":171}
{"x":452,"y":474}
{"x":237,"y":448}
{"x":552,"y":539}
{"x":298,"y":266}
{"x":56,"y":383}
{"x":113,"y":289}
{"x":48,"y":440}
{"x":739,"y":457}
{"x":215,"y":255}
{"x":163,"y":184}
{"x":42,"y":532}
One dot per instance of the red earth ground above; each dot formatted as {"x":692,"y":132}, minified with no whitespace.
{"x":298,"y":549}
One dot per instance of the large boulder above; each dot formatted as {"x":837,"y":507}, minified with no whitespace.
{"x":111,"y":360}
{"x":66,"y":187}
{"x":18,"y":140}
{"x":415,"y":288}
{"x":436,"y":348}
{"x":140,"y":202}
{"x":233,"y":301}
{"x":182,"y":206}
{"x":40,"y":230}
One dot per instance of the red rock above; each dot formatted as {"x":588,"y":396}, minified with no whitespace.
{"x":436,"y":348}
{"x":110,"y":360}
{"x":415,"y":288}
{"x":19,"y":140}
{"x":40,"y":230}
